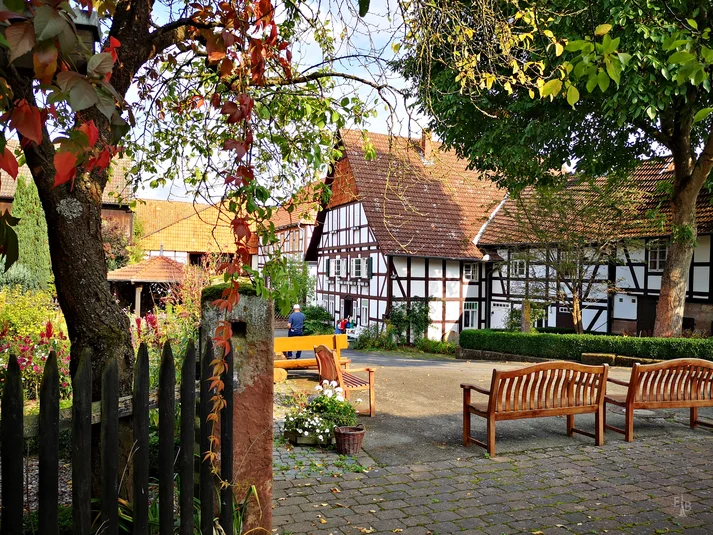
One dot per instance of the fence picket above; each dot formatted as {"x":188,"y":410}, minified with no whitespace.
{"x":82,"y":446}
{"x":188,"y":438}
{"x":166,"y":419}
{"x":49,"y":448}
{"x":12,"y":446}
{"x":110,"y":449}
{"x":226,"y":447}
{"x":206,"y":477}
{"x":141,"y":441}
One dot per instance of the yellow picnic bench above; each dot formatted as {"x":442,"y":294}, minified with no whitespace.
{"x":335,"y":342}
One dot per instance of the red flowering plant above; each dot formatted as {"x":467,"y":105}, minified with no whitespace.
{"x":32,"y":353}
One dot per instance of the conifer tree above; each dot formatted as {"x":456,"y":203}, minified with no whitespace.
{"x":32,"y":231}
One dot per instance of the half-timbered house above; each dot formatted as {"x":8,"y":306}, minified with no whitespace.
{"x":293,"y":224}
{"x":627,"y":289}
{"x":399,"y":227}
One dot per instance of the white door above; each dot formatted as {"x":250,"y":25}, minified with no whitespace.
{"x":498,"y":315}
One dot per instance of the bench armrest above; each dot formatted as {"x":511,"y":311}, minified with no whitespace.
{"x":618,"y":381}
{"x":350,"y":370}
{"x":476,"y":388}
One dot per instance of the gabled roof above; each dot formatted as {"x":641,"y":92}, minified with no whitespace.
{"x":117,"y":183}
{"x":184,"y":226}
{"x":415,"y":207}
{"x":154,"y":269}
{"x":300,"y":210}
{"x":654,"y":215}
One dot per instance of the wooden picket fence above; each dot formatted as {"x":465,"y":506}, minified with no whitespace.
{"x":11,"y":442}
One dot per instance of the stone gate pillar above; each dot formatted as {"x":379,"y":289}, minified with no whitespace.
{"x":252,"y":343}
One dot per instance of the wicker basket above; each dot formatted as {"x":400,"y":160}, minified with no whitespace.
{"x":349,"y":439}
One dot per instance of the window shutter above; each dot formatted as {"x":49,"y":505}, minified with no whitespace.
{"x":369,"y":268}
{"x":329,"y":267}
{"x":352,"y":267}
{"x":343,"y":269}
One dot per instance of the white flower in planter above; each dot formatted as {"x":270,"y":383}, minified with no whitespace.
{"x":306,"y":433}
{"x":328,"y":393}
{"x":339,"y":389}
{"x":318,"y":388}
{"x":321,"y":437}
{"x":334,"y":383}
{"x":340,"y":397}
{"x":358,"y":400}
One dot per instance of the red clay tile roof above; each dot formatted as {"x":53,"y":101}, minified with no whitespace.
{"x":654,"y":217}
{"x":421,"y":208}
{"x":184,"y":226}
{"x":154,"y":269}
{"x":304,"y":209}
{"x":117,"y":181}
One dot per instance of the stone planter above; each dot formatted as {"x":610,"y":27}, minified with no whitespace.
{"x":301,"y":440}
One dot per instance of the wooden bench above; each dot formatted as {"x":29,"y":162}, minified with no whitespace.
{"x":330,"y":370}
{"x":547,"y":389}
{"x":678,"y":383}
{"x":335,"y":342}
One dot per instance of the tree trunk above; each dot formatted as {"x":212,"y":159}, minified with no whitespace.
{"x":674,"y":281}
{"x":525,"y":316}
{"x":577,"y":314}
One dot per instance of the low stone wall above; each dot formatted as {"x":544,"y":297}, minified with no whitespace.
{"x":587,"y":358}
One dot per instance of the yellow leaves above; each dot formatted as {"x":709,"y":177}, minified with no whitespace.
{"x":602,"y":29}
{"x":366,"y":530}
{"x":559,"y":48}
{"x":551,"y":88}
{"x":322,"y":521}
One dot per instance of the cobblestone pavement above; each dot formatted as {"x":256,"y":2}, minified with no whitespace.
{"x":661,"y":485}
{"x":419,"y":481}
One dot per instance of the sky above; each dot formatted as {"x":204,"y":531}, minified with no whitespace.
{"x":373,"y":35}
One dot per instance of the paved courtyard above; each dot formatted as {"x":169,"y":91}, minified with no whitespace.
{"x":421,"y":480}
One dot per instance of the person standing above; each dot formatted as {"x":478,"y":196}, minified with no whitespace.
{"x":295,"y":326}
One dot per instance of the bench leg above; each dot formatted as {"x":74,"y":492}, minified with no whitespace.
{"x":372,"y":395}
{"x":694,"y":417}
{"x":629,"y":428}
{"x":570,"y":425}
{"x":599,"y":420}
{"x":466,"y":417}
{"x":491,"y":437}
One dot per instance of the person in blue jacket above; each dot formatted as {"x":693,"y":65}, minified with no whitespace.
{"x":295,"y":326}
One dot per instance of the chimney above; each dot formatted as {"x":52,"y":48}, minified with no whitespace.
{"x":426,"y":144}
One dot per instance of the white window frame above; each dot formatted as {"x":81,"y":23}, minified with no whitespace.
{"x":330,"y":302}
{"x":332,"y":267}
{"x":364,"y":318}
{"x":518,"y":268}
{"x":471,"y":272}
{"x":656,"y":262}
{"x":357,"y":267}
{"x":470,"y":315}
{"x":338,"y":265}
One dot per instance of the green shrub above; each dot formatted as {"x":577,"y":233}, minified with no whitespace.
{"x":27,"y":312}
{"x":375,"y":338}
{"x":18,"y":275}
{"x":435,"y":346}
{"x":571,"y":346}
{"x":318,"y":320}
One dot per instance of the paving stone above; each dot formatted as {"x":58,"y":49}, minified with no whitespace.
{"x":627,"y":488}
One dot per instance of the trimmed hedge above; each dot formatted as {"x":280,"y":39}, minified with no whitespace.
{"x":571,"y":346}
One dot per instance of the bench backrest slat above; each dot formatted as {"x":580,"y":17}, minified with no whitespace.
{"x":548,"y":385}
{"x":673,"y":380}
